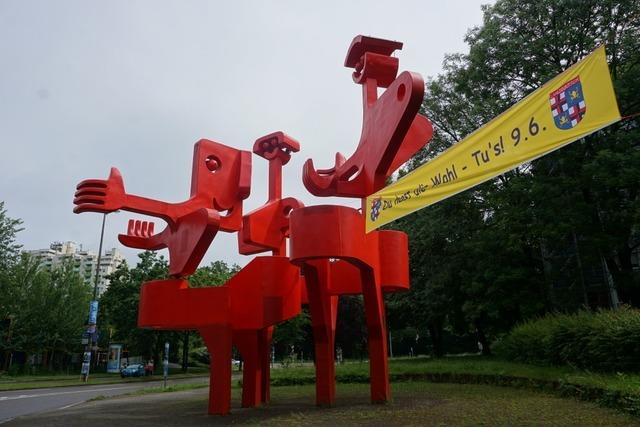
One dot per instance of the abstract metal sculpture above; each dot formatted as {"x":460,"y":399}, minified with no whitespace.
{"x":220,"y":181}
{"x":328,"y":243}
{"x":392,"y":132}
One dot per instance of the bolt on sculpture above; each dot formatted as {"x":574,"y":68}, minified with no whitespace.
{"x":331,"y":255}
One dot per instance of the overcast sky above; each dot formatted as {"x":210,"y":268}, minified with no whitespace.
{"x":134,"y":84}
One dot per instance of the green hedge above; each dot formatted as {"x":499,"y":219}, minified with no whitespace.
{"x":605,"y":340}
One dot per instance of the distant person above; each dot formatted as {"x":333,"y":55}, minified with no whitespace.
{"x":148,"y":369}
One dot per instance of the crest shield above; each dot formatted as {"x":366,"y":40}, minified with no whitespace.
{"x":567,"y":104}
{"x":376,"y":204}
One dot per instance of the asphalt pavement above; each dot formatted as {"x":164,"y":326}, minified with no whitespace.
{"x":25,"y":402}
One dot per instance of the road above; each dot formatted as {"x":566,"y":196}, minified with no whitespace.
{"x":24,"y":402}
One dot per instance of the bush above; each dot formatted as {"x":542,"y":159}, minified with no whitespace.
{"x":15,"y":369}
{"x":605,"y":340}
{"x":200,"y":356}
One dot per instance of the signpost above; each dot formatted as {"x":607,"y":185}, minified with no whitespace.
{"x":86,"y":361}
{"x":165,"y":364}
{"x":93,"y":313}
{"x":92,"y":337}
{"x":89,"y":338}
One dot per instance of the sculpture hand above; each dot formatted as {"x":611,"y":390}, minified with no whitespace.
{"x":98,"y":195}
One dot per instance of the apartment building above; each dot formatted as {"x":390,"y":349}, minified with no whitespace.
{"x":85,"y":262}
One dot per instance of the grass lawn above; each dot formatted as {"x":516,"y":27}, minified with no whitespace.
{"x":417,"y":403}
{"x":422,"y":403}
{"x":475,"y":365}
{"x":416,"y":399}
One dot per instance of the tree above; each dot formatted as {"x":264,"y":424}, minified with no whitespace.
{"x":294,"y":332}
{"x":519,"y":47}
{"x":9,"y":249}
{"x":351,"y":326}
{"x":9,"y":255}
{"x":521,"y":244}
{"x":214,"y":274}
{"x":50,"y":310}
{"x":119,"y":305}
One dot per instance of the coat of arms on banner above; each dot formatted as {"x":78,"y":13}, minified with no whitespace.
{"x":376,"y":204}
{"x":567,"y":104}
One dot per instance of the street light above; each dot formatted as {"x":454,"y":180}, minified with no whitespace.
{"x":93,"y":311}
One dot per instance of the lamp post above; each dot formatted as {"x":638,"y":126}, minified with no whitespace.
{"x":93,"y":312}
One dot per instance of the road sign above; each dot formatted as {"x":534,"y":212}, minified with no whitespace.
{"x":86,"y":362}
{"x":93,"y":312}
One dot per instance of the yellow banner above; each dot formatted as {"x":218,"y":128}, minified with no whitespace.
{"x":574,"y":104}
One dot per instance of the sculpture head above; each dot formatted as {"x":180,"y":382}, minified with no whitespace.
{"x":220,"y":174}
{"x":392,"y":129}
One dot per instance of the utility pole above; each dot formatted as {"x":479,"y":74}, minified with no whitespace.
{"x":93,"y":312}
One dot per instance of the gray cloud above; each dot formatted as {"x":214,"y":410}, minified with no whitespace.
{"x":133,"y":84}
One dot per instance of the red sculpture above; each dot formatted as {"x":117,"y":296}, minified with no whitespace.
{"x":242,"y":311}
{"x":392,"y":132}
{"x":328,"y":243}
{"x":220,"y":181}
{"x":392,"y":129}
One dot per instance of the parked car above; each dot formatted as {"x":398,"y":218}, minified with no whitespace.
{"x":135,"y":370}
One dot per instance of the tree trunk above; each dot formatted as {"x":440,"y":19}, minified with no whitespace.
{"x":626,"y":274}
{"x":51,"y":360}
{"x":482,"y":339}
{"x":585,"y":295}
{"x":185,"y":351}
{"x":435,"y":333}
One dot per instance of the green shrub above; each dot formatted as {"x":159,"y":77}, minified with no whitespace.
{"x":605,"y":340}
{"x":15,"y":369}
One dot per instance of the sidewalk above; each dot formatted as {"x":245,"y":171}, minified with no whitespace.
{"x":159,"y":409}
{"x":33,"y":382}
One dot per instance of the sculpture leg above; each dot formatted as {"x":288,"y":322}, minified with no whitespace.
{"x":323,"y":308}
{"x":264,"y":353}
{"x":377,"y":333}
{"x":218,"y":341}
{"x":248,"y":345}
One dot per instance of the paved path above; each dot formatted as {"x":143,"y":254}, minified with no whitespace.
{"x":23,"y":402}
{"x":177,"y":409}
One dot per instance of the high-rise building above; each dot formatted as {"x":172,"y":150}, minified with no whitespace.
{"x":84,"y":262}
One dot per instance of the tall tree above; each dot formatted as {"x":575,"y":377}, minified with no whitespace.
{"x":50,"y":309}
{"x":9,"y":249}
{"x":9,"y":291}
{"x":119,"y":305}
{"x":520,"y":244}
{"x":214,"y":274}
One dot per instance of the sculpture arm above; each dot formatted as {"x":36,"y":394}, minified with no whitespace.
{"x":105,"y":196}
